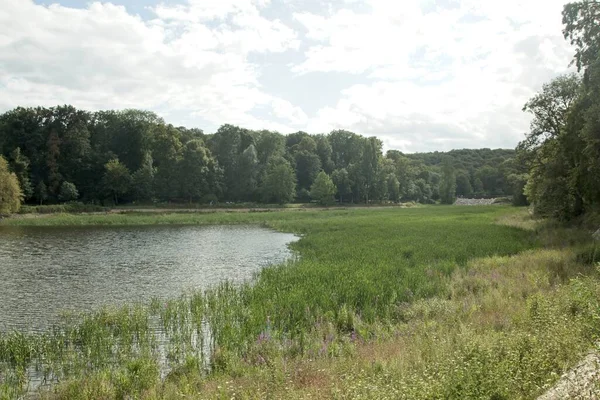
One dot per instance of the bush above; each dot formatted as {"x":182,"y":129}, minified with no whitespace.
{"x":68,"y":192}
{"x":10,"y":192}
{"x":72,"y":207}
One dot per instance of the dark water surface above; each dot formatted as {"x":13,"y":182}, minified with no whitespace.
{"x":47,"y":270}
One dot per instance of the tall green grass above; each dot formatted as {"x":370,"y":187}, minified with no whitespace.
{"x":356,"y":272}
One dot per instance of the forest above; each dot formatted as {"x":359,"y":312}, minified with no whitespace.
{"x":63,"y":154}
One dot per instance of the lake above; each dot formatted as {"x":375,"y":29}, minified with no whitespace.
{"x":48,"y":270}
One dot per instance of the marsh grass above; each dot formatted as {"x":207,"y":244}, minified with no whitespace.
{"x":432,"y":302}
{"x":508,"y":329}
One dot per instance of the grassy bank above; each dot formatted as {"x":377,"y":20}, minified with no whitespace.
{"x":199,"y":216}
{"x":393,"y":303}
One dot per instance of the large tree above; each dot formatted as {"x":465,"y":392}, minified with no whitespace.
{"x":308,"y":166}
{"x":280,"y":182}
{"x":393,"y":188}
{"x":167,"y":152}
{"x":369,"y":164}
{"x":448,"y":184}
{"x":142,"y":180}
{"x":195,"y":169}
{"x":463,"y":185}
{"x":116,"y":180}
{"x":248,"y":175}
{"x":20,"y":166}
{"x":10,"y":192}
{"x":68,"y":192}
{"x":581,"y":21}
{"x":343,"y":184}
{"x":227,"y":144}
{"x":554,"y":148}
{"x":323,"y":189}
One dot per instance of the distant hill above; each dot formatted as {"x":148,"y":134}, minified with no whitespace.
{"x":466,"y":159}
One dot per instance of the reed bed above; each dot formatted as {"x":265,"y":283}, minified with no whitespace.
{"x":363,"y":278}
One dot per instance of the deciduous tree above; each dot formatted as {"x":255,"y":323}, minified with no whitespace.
{"x":10,"y":192}
{"x":116,"y":180}
{"x":68,"y":192}
{"x":280,"y":182}
{"x":343,"y":184}
{"x":323,"y":189}
{"x":448,"y":184}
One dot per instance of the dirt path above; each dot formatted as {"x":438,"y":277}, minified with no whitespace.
{"x":581,"y":382}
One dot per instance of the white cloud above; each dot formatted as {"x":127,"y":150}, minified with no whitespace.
{"x":103,"y":57}
{"x":467,"y":69}
{"x":422,"y":75}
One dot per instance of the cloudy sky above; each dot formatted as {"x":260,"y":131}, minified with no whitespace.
{"x":420,"y":74}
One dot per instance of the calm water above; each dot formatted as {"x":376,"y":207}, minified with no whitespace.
{"x":47,"y":270}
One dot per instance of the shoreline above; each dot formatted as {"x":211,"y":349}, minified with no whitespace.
{"x":420,"y":300}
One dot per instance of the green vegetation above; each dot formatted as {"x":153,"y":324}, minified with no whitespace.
{"x":393,"y":302}
{"x":71,"y":207}
{"x":323,"y":189}
{"x":68,"y":192}
{"x":448,"y":185}
{"x":10,"y":192}
{"x":280,"y":183}
{"x":420,"y":303}
{"x":62,"y":154}
{"x":480,"y":172}
{"x":562,"y":151}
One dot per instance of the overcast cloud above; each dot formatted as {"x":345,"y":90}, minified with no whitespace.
{"x":420,"y":75}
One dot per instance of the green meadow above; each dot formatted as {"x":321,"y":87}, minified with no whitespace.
{"x":416,"y":303}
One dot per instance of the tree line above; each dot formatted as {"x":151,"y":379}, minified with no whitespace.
{"x":562,"y":149}
{"x":63,"y":154}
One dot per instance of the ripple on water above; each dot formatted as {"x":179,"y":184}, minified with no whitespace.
{"x":48,"y":270}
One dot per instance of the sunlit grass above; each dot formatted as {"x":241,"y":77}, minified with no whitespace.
{"x":394,"y":299}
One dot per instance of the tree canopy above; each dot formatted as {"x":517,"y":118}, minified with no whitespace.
{"x":323,"y":189}
{"x":562,"y":149}
{"x":10,"y":192}
{"x":135,"y":156}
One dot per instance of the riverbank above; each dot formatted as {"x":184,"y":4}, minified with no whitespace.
{"x":431,"y":302}
{"x":154,"y":216}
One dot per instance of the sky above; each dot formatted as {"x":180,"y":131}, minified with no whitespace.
{"x":422,"y":75}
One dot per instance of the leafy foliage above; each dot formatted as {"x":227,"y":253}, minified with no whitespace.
{"x":323,"y":189}
{"x":116,"y":180}
{"x":68,"y":192}
{"x":448,"y":186}
{"x":562,"y":150}
{"x":10,"y":192}
{"x":48,"y":146}
{"x":20,"y":166}
{"x":280,"y":182}
{"x":429,"y":302}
